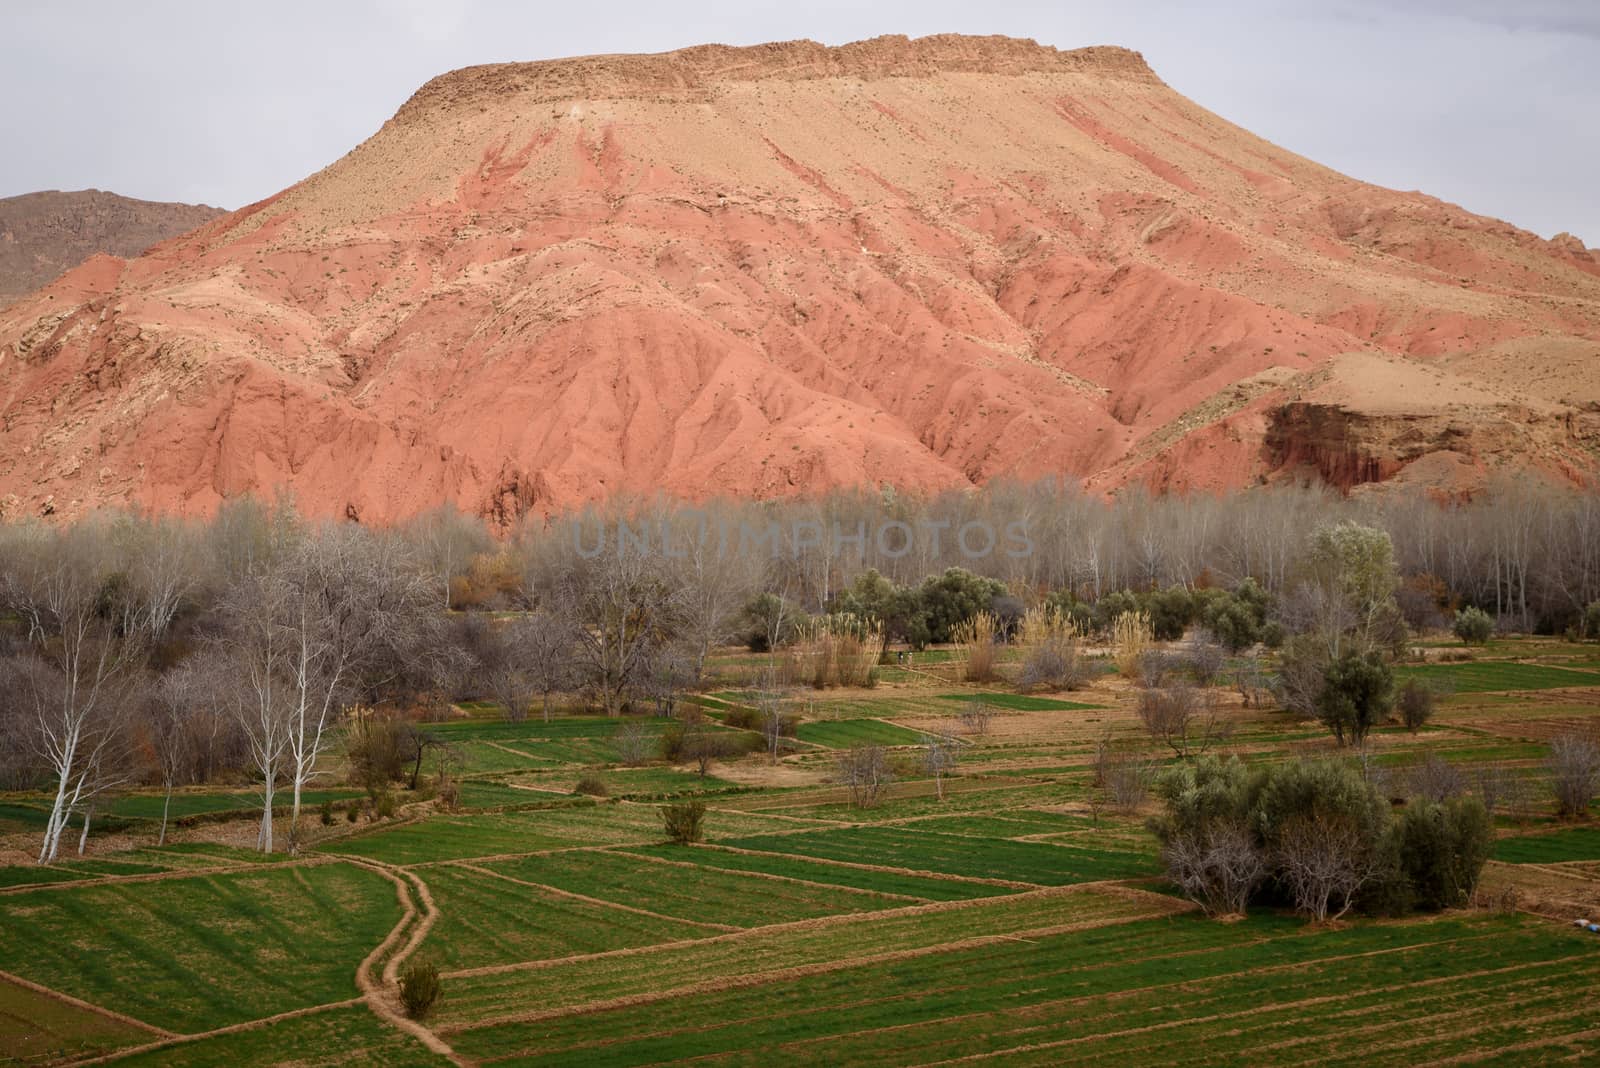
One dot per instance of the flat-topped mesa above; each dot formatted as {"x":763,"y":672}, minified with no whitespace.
{"x":691,"y":71}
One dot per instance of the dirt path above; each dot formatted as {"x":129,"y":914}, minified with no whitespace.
{"x":382,"y":994}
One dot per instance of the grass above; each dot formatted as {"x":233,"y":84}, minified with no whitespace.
{"x":472,"y":1000}
{"x":1037,"y":863}
{"x":827,"y":873}
{"x":1573,"y":843}
{"x":199,"y":952}
{"x":707,"y":895}
{"x":484,"y":921}
{"x":1497,"y":676}
{"x":844,"y":733}
{"x":37,"y":1029}
{"x":1017,"y":702}
{"x":1177,"y":990}
{"x":344,"y":1036}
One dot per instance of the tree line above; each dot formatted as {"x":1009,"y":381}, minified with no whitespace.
{"x":139,"y":650}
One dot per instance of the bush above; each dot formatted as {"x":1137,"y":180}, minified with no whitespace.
{"x":1357,"y":692}
{"x":326,"y":812}
{"x":1591,"y":621}
{"x":592,"y":785}
{"x":383,"y":805}
{"x":1207,"y":842}
{"x":1326,"y":831}
{"x":1443,"y":847}
{"x":419,"y":988}
{"x":353,"y":813}
{"x":1054,"y":666}
{"x":1574,"y":766}
{"x":1414,"y":702}
{"x":865,"y":771}
{"x":683,"y":822}
{"x":1474,"y":626}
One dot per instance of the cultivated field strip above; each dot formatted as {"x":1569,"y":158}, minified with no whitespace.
{"x":486,"y":921}
{"x":1039,"y":863}
{"x":824,"y":872}
{"x":1145,"y":991}
{"x":192,"y":954}
{"x":485,"y":996}
{"x":703,"y":895}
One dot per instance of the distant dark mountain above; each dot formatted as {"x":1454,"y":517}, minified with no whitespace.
{"x":45,"y":234}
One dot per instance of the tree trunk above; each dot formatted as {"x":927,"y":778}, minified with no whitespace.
{"x":88,"y":817}
{"x":165,"y":805}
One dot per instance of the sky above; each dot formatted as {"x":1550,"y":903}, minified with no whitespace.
{"x":1490,"y":104}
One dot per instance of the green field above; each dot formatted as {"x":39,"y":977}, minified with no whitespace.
{"x":1019,"y":919}
{"x":201,"y":951}
{"x":1495,"y":676}
{"x":844,"y":733}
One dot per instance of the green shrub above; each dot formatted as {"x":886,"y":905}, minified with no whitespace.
{"x":1414,"y":701}
{"x":419,"y":988}
{"x":1356,"y":694}
{"x":383,"y":805}
{"x":1474,"y":626}
{"x":683,"y":822}
{"x":592,"y":785}
{"x":1443,"y":847}
{"x":326,"y":812}
{"x":353,"y":813}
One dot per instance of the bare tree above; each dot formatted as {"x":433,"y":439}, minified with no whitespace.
{"x":1433,"y":778}
{"x":624,"y":610}
{"x":78,"y":678}
{"x":1220,"y":866}
{"x":1124,"y":776}
{"x":252,"y":672}
{"x":175,"y":725}
{"x":633,"y":742}
{"x":1574,"y":766}
{"x":865,"y":771}
{"x":940,"y":755}
{"x":1325,"y":861}
{"x":1182,"y":717}
{"x":446,"y":542}
{"x":975,"y":716}
{"x":345,"y":594}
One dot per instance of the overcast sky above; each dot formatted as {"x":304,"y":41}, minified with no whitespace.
{"x":1492,"y":104}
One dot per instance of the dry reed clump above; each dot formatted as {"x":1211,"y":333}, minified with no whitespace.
{"x":977,"y":651}
{"x":1052,"y":657}
{"x":1131,"y":638}
{"x":836,"y":650}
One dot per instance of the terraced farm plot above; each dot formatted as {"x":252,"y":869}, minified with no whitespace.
{"x":486,"y":920}
{"x":844,"y":733}
{"x":1038,"y":863}
{"x":1179,"y":990}
{"x":1012,"y":823}
{"x":567,"y":823}
{"x":494,"y":997}
{"x":201,"y":951}
{"x":674,"y":887}
{"x":1573,"y":843}
{"x":343,"y":1036}
{"x":1496,"y":676}
{"x":1017,"y":702}
{"x":907,"y":888}
{"x":38,"y":1029}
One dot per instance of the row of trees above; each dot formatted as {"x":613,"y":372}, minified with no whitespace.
{"x":157,"y":650}
{"x":1317,"y":835}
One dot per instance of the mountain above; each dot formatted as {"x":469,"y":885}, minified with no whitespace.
{"x":771,"y":270}
{"x":45,"y":234}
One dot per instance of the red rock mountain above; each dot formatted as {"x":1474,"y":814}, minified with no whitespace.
{"x":44,"y":234}
{"x":772,"y":270}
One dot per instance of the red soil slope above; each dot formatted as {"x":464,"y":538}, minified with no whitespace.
{"x":771,"y":270}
